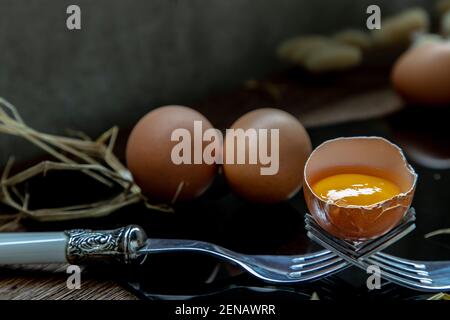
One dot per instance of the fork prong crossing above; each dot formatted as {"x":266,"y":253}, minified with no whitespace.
{"x":367,"y":248}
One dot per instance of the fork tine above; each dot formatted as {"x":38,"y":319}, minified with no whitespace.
{"x":387,"y":272}
{"x":311,"y":256}
{"x":388,"y":239}
{"x":364,"y":250}
{"x":399,"y":265}
{"x":403,"y":274}
{"x":299,"y":262}
{"x":341,"y":246}
{"x":308,"y":267}
{"x":325,"y":269}
{"x":403,"y":281}
{"x":400,"y":260}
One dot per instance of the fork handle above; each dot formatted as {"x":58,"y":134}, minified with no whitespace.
{"x":35,"y":247}
{"x":76,"y":246}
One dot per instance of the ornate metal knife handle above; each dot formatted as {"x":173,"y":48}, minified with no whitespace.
{"x":118,"y":245}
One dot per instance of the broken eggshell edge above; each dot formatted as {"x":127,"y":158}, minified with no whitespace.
{"x":353,"y":222}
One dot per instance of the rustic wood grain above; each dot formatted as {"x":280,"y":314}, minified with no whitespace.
{"x":40,"y":282}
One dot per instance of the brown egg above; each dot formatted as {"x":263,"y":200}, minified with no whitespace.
{"x":149,"y":156}
{"x":266,"y":181}
{"x":422,"y":74}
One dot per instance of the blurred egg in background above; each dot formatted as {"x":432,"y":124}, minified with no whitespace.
{"x":422,"y":74}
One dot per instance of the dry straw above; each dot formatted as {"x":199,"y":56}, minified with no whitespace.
{"x":94,"y":158}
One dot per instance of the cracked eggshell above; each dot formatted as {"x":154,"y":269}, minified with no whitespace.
{"x":371,"y":155}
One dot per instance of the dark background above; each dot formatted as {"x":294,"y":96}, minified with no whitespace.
{"x":132,"y":56}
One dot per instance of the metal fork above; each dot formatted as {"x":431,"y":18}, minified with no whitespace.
{"x":433,"y":276}
{"x":274,"y":269}
{"x":130,"y":244}
{"x":418,"y":275}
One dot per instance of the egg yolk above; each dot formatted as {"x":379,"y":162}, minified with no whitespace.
{"x":355,"y":189}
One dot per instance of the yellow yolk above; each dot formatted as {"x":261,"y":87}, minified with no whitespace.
{"x":355,"y":189}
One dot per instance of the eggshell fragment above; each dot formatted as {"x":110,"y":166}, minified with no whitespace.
{"x":373,"y":155}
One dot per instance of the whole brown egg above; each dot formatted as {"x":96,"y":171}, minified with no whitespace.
{"x":422,"y":74}
{"x":150,"y":160}
{"x":259,"y":166}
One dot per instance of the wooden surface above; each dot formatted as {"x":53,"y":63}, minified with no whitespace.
{"x":49,"y":282}
{"x":316,"y":101}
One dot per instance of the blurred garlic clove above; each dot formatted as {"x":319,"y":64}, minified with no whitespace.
{"x":443,"y":6}
{"x":400,"y":28}
{"x":445,"y":24}
{"x":333,"y":57}
{"x":425,"y":38}
{"x":354,"y":37}
{"x":296,"y":50}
